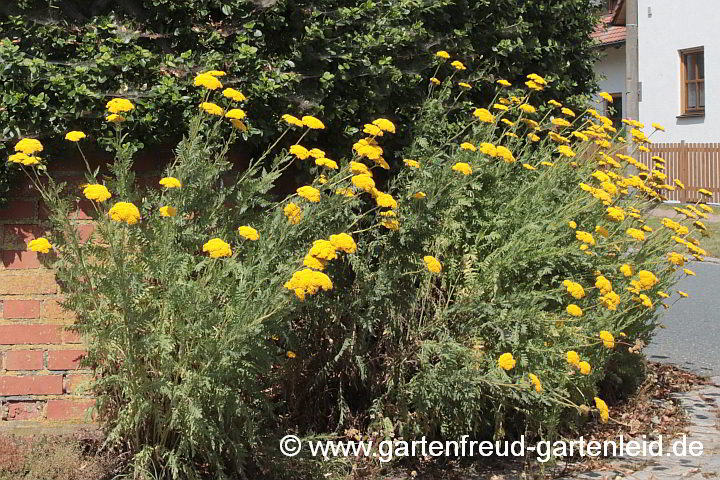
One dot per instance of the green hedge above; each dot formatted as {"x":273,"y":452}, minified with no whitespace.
{"x":342,"y":59}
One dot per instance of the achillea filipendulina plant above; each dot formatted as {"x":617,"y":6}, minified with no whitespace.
{"x":451,"y":299}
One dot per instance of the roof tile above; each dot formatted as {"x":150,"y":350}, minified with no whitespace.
{"x":607,"y":34}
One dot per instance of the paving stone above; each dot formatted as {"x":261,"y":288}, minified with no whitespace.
{"x":701,"y":406}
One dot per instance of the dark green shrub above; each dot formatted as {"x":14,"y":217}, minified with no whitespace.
{"x":348,"y":59}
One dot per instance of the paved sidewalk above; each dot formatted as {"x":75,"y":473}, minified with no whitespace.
{"x":702,"y":406}
{"x":692,"y":325}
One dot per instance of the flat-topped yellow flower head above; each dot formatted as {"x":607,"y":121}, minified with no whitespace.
{"x":40,"y":244}
{"x":235,"y":114}
{"x":484,"y":115}
{"x":385,"y":125}
{"x":119,"y":105}
{"x":309,"y":193}
{"x":212,"y":109}
{"x":115,"y":118}
{"x":343,"y":242}
{"x":233,"y":94}
{"x":217,"y":248}
{"x":463,"y":168}
{"x":168,"y":211}
{"x":170,"y":182}
{"x":506,"y":361}
{"x":292,"y":120}
{"x":74,"y":136}
{"x":125,"y":212}
{"x":95,"y":192}
{"x":248,"y":232}
{"x":29,"y":146}
{"x":207,"y":81}
{"x":312,"y":122}
{"x":293,"y":213}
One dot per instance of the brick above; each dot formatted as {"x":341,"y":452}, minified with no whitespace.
{"x":21,"y":308}
{"x":65,"y":359}
{"x":153,"y":160}
{"x":37,"y":283}
{"x":24,"y":410}
{"x":73,"y":183}
{"x":68,"y":336}
{"x":83,"y":210}
{"x":24,"y":360}
{"x":30,"y":334}
{"x":17,"y":235}
{"x":79,"y":384}
{"x":19,"y":210}
{"x":20,"y":259}
{"x":71,"y":163}
{"x":53,"y":309}
{"x":31,"y":385}
{"x":23,"y":188}
{"x":84,"y":231}
{"x":61,"y":409}
{"x":149,"y":181}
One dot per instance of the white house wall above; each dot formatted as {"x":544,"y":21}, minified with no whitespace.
{"x":664,"y":28}
{"x":611,"y":70}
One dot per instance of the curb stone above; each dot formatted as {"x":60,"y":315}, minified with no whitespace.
{"x":702,"y":406}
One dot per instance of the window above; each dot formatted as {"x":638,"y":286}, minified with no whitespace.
{"x":614,"y":110}
{"x":692,"y":78}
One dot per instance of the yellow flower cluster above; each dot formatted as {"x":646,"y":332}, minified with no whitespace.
{"x":343,"y":242}
{"x":96,"y":192}
{"x":536,"y":382}
{"x":40,"y":244}
{"x":585,"y":237}
{"x":23,"y":159}
{"x":308,"y":282}
{"x":309,"y":193}
{"x":607,"y":338}
{"x":217,"y":248}
{"x":208,"y":81}
{"x":603,"y":409}
{"x":484,"y":115}
{"x":125,"y":212}
{"x":74,"y":136}
{"x":29,"y":146}
{"x":212,"y":109}
{"x":170,"y":182}
{"x":574,"y":289}
{"x":312,"y":123}
{"x":432,"y":264}
{"x":119,"y":105}
{"x":248,"y":233}
{"x":506,"y":361}
{"x":645,"y":280}
{"x":463,"y":168}
{"x":574,"y":310}
{"x":293,"y":213}
{"x":168,"y":211}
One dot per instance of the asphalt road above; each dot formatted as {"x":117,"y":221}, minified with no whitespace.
{"x":691,"y":337}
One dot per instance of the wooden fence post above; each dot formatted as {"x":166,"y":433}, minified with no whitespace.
{"x":684,"y":171}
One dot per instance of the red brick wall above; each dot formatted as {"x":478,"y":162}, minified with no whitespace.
{"x":41,"y":379}
{"x":40,"y":376}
